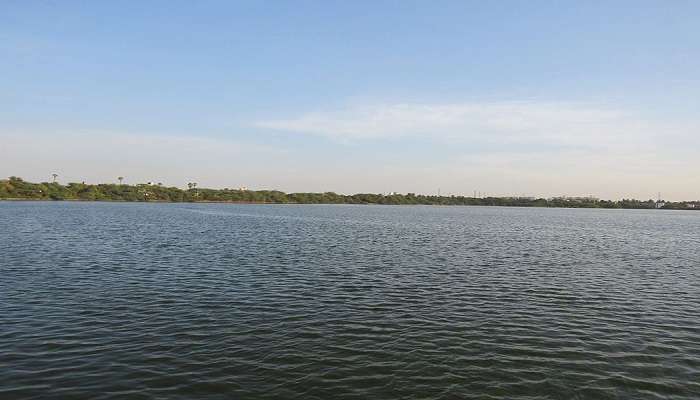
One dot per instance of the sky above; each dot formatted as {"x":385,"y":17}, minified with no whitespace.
{"x":534,"y":98}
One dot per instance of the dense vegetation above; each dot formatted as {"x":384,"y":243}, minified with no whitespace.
{"x":16,"y":188}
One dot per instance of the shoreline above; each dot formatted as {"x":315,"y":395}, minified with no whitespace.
{"x":19,"y":200}
{"x":17,"y":189}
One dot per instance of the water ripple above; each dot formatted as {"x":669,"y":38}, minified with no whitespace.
{"x":181,"y":301}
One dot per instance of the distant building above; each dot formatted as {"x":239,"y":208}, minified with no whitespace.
{"x":578,"y":199}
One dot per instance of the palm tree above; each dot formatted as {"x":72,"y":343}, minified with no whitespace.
{"x":54,"y":175}
{"x":120,"y":178}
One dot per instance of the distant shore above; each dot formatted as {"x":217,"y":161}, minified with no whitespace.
{"x":18,"y":199}
{"x":17,"y":189}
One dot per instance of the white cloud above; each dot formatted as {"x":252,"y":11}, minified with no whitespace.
{"x":501,"y":123}
{"x":518,"y":147}
{"x":500,"y":148}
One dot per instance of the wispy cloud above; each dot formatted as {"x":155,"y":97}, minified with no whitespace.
{"x":499,"y":122}
{"x":500,"y":148}
{"x":530,"y":147}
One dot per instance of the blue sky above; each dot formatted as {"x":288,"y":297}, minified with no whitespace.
{"x":513,"y":97}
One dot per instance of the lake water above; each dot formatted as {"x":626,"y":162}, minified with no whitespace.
{"x":217,"y":301}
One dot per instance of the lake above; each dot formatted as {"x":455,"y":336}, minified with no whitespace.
{"x":222,"y":301}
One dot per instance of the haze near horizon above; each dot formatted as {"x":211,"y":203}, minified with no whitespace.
{"x":508,"y":98}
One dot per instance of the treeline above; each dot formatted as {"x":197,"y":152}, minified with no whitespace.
{"x":16,"y":188}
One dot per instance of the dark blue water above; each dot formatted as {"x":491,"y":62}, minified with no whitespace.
{"x":184,"y":301}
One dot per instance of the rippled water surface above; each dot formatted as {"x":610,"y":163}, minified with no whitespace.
{"x":184,"y":301}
